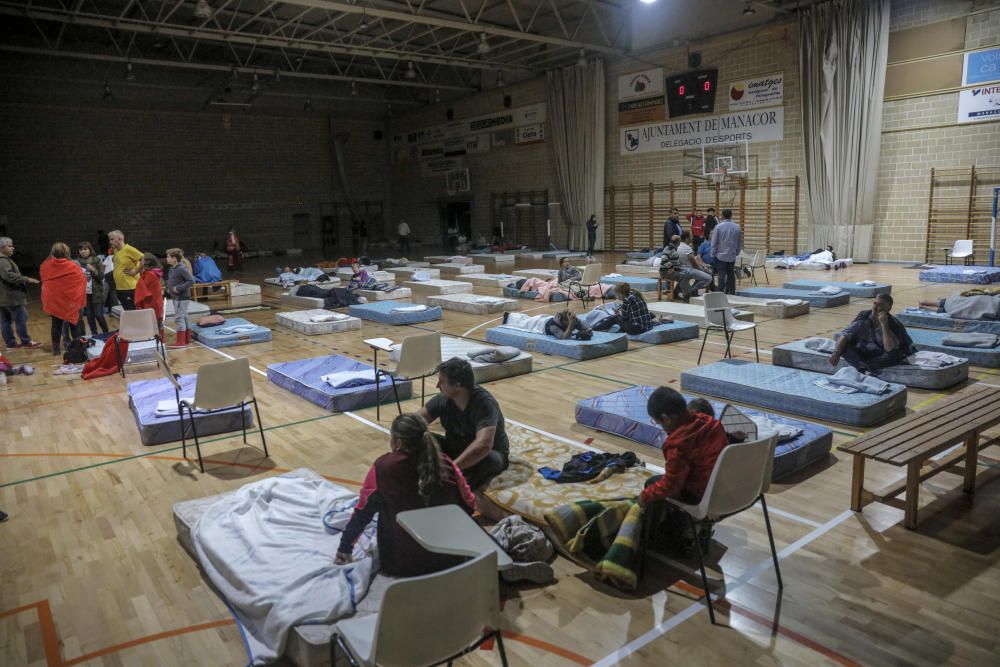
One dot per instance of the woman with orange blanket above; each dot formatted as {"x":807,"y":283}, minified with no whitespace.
{"x":64,"y":293}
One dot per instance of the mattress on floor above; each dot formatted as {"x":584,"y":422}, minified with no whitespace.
{"x":668,"y":332}
{"x":917,"y":317}
{"x":861,"y":291}
{"x":690,"y":312}
{"x":968,"y":275}
{"x":244,"y":294}
{"x":639,"y":271}
{"x":490,"y":280}
{"x":448,"y":269}
{"x":301,"y":321}
{"x":448,"y":259}
{"x":602,"y":343}
{"x":195,"y":309}
{"x":543,"y":274}
{"x":307,"y":645}
{"x":635,"y":282}
{"x":473,"y":303}
{"x":796,"y":355}
{"x":783,"y":263}
{"x":387,"y":312}
{"x":514,"y":293}
{"x":406,"y":272}
{"x":623,"y":413}
{"x":425,"y":288}
{"x":778,"y":293}
{"x":762,"y":307}
{"x":309,"y":302}
{"x":493,"y":257}
{"x":791,"y":390}
{"x":559,"y":254}
{"x":933,"y":341}
{"x":302,"y":378}
{"x":382,"y":295}
{"x":484,"y":372}
{"x":639,"y":254}
{"x":215,"y":336}
{"x":144,"y":395}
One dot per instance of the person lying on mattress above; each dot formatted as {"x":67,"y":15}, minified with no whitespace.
{"x":874,"y":340}
{"x":414,"y":474}
{"x":474,"y":434}
{"x":976,"y":304}
{"x":694,"y":442}
{"x":562,"y":325}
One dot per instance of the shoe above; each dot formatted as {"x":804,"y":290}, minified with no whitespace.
{"x":3,"y":517}
{"x":30,"y":345}
{"x":183,"y":340}
{"x":537,"y":572}
{"x":506,"y":316}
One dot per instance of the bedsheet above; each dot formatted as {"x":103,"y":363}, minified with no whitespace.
{"x":602,"y":343}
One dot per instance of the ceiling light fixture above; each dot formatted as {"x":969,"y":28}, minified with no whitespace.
{"x":256,"y":83}
{"x":411,"y":73}
{"x":647,"y":2}
{"x":203,"y":10}
{"x":108,"y":96}
{"x":437,"y":95}
{"x":129,"y":74}
{"x":500,"y":83}
{"x":484,"y":46}
{"x":308,"y":106}
{"x":748,"y":10}
{"x":582,"y":60}
{"x":354,"y":88}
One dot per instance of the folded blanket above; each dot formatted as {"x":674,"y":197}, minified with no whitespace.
{"x":783,"y":302}
{"x":409,"y":309}
{"x":766,"y":427}
{"x":829,"y":290}
{"x":853,"y":378}
{"x":493,"y":355}
{"x":980,"y":340}
{"x":328,"y":317}
{"x":866,"y":283}
{"x":237,"y":329}
{"x":829,"y":386}
{"x":603,"y":535}
{"x":824,"y":345}
{"x":345,"y":379}
{"x":168,"y":408}
{"x":928,"y":359}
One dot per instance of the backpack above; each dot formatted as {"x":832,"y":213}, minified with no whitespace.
{"x":76,"y":351}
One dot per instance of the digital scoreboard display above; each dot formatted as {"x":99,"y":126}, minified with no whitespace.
{"x":692,"y":92}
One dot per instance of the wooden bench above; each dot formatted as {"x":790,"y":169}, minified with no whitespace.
{"x":222,"y":289}
{"x":912,"y":441}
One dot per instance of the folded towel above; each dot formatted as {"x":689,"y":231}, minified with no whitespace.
{"x":928,"y":359}
{"x":829,"y":386}
{"x":766,"y":427}
{"x":824,"y":345}
{"x":344,"y":379}
{"x":979,"y":340}
{"x":866,"y":283}
{"x":853,"y":378}
{"x":490,"y":300}
{"x":409,"y":309}
{"x":328,"y":317}
{"x":830,"y":290}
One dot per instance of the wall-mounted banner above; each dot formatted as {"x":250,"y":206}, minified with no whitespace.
{"x":647,"y":83}
{"x":532,"y":114}
{"x":763,"y":91}
{"x":751,"y":126}
{"x":979,"y":104}
{"x":981,"y":67}
{"x":529,"y":134}
{"x":640,"y":112}
{"x":432,"y":151}
{"x":454,"y":146}
{"x":440,"y":166}
{"x":477,"y":143}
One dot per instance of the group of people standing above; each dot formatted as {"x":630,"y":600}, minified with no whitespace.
{"x":695,"y":259}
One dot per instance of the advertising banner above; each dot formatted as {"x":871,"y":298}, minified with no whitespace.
{"x":981,"y":67}
{"x":763,"y":91}
{"x":751,"y":126}
{"x":638,"y":85}
{"x":979,"y":104}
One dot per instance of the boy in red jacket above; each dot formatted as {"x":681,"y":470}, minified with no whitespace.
{"x":149,"y":290}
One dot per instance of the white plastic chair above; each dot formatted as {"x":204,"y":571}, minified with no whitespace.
{"x":961,"y":250}
{"x":220,"y":386}
{"x":758,"y":261}
{"x":741,"y":477}
{"x":419,"y":357}
{"x":427,"y":620}
{"x":591,"y":276}
{"x":718,"y":317}
{"x":137,"y":326}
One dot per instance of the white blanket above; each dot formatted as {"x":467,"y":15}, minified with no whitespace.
{"x":852,"y":378}
{"x":168,"y":408}
{"x":829,"y":290}
{"x":783,"y":302}
{"x":328,"y":317}
{"x":928,"y":359}
{"x":767,"y":427}
{"x":866,"y":283}
{"x":266,"y":549}
{"x":349,"y":378}
{"x":409,"y":309}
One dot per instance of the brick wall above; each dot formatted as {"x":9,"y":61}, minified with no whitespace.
{"x":172,"y":178}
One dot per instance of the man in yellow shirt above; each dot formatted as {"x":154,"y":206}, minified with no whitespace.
{"x":128,"y":263}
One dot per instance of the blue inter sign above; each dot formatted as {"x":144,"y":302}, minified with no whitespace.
{"x":981,"y":67}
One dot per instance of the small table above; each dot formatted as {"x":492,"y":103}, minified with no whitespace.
{"x":222,"y":288}
{"x":913,"y":440}
{"x":446,"y":529}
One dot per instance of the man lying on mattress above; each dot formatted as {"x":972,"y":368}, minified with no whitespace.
{"x":982,"y":303}
{"x":874,"y":340}
{"x":694,"y":442}
{"x":562,"y":325}
{"x":474,"y":435}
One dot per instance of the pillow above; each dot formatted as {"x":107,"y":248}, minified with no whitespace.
{"x":211,"y":321}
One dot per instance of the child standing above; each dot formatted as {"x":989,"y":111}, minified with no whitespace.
{"x":179,"y":284}
{"x":94,"y":269}
{"x":149,"y":290}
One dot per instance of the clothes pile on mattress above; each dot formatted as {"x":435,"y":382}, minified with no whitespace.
{"x":980,"y":340}
{"x":342,"y":379}
{"x":850,"y":381}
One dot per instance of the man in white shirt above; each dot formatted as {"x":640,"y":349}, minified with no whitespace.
{"x":404,"y":238}
{"x":693,"y":267}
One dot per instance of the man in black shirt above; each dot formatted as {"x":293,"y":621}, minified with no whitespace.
{"x":474,"y":434}
{"x":710,"y":222}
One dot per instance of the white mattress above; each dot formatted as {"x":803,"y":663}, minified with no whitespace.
{"x":490,"y":283}
{"x":244,"y":294}
{"x":430,"y":287}
{"x":345,"y":274}
{"x":689,"y":312}
{"x":381,"y":295}
{"x":459,"y":347}
{"x":448,"y":270}
{"x":406,"y":272}
{"x":761,"y":307}
{"x":444,"y":259}
{"x":544,"y":274}
{"x":195,"y":309}
{"x":299,"y":321}
{"x":243,"y":289}
{"x":471,"y":303}
{"x":639,"y":271}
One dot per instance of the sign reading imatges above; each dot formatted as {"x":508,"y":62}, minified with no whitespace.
{"x":979,"y":104}
{"x":763,"y":91}
{"x":749,"y":126}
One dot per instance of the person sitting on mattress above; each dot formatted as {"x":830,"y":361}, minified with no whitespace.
{"x":693,"y":444}
{"x":874,"y":340}
{"x":632,"y":315}
{"x":413,"y":475}
{"x":976,"y":304}
{"x":562,"y":325}
{"x":360,"y":278}
{"x":474,"y":433}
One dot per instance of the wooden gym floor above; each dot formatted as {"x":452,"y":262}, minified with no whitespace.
{"x":91,"y":572}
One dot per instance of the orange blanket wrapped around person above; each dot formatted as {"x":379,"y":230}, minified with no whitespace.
{"x":149,"y":292}
{"x":64,"y":289}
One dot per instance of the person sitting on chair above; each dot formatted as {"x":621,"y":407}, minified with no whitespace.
{"x":474,"y":433}
{"x":673,"y":268}
{"x":567,"y":273}
{"x":413,"y":475}
{"x":874,"y":340}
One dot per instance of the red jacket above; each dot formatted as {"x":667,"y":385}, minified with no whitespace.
{"x":149,"y":292}
{"x":64,"y":289}
{"x":689,"y":452}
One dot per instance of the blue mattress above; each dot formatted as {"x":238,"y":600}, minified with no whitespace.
{"x":382,"y":311}
{"x":602,"y":344}
{"x":624,"y":413}
{"x":780,"y":293}
{"x":302,"y":378}
{"x":850,"y":288}
{"x":214,"y":336}
{"x":514,"y":293}
{"x":639,"y":254}
{"x":670,"y":332}
{"x":790,"y":390}
{"x":562,"y":253}
{"x":918,"y":317}
{"x":979,"y":275}
{"x":636,"y":283}
{"x":933,"y":341}
{"x":143,"y":395}
{"x":796,"y":355}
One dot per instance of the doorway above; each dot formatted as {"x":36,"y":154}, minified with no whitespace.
{"x":456,"y":225}
{"x":302,"y":230}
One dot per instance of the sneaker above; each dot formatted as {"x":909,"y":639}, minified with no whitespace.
{"x":537,"y":572}
{"x":30,"y":345}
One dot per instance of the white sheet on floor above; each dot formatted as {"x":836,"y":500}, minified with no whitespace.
{"x":409,"y":309}
{"x":328,"y":317}
{"x":928,"y":359}
{"x":267,"y":550}
{"x":349,"y":378}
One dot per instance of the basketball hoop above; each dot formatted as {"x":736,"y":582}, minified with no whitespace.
{"x":718,"y":176}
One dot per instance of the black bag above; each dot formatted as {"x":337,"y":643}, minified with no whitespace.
{"x":76,"y":351}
